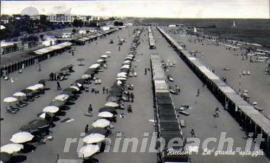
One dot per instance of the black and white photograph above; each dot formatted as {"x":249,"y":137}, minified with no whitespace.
{"x":135,"y":81}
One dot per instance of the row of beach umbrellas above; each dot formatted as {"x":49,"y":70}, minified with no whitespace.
{"x":20,"y":95}
{"x":99,"y":132}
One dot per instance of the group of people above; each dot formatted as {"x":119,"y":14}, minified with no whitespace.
{"x":104,"y":90}
{"x":54,"y":77}
{"x":130,"y":96}
{"x":145,"y":70}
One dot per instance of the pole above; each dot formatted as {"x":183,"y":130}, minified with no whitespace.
{"x":240,"y":84}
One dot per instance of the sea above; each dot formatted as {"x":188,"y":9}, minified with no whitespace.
{"x":248,"y":30}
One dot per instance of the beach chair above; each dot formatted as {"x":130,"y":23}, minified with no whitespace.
{"x":12,"y":110}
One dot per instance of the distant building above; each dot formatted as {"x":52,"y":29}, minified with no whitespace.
{"x":61,"y":18}
{"x":4,"y":19}
{"x":34,"y":17}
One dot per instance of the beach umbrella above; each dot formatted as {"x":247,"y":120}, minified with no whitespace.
{"x":77,"y":85}
{"x":45,"y":116}
{"x":108,"y":52}
{"x":39,"y":86}
{"x":112,"y":104}
{"x":108,"y":109}
{"x":127,"y":61}
{"x":94,"y":66}
{"x":19,"y":94}
{"x":51,"y":109}
{"x":74,"y":87}
{"x":101,"y":131}
{"x":125,"y":67}
{"x":61,"y":97}
{"x":100,"y":60}
{"x":35,"y":125}
{"x":88,"y":151}
{"x":102,"y":123}
{"x":93,"y":138}
{"x":80,"y":60}
{"x":104,"y":56}
{"x":22,"y":137}
{"x":86,"y":76}
{"x":105,"y":114}
{"x":32,"y":88}
{"x":10,"y":99}
{"x":11,"y":148}
{"x":119,"y":82}
{"x":121,"y":78}
{"x":122,"y":74}
{"x":5,"y":157}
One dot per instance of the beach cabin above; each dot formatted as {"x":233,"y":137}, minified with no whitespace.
{"x":171,"y":25}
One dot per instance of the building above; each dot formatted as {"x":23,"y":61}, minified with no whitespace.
{"x":61,"y":18}
{"x":4,"y":19}
{"x":34,"y":17}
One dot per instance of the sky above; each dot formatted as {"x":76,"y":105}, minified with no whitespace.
{"x":148,"y":8}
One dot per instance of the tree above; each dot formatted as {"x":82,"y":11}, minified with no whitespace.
{"x":118,"y":23}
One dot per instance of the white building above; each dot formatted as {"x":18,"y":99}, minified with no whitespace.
{"x":61,"y":18}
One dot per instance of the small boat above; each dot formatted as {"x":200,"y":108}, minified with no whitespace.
{"x":170,"y":78}
{"x":173,"y":92}
{"x":186,"y":113}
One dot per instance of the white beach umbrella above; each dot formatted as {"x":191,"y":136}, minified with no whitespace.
{"x":33,"y":88}
{"x":19,"y":94}
{"x":108,"y":52}
{"x":101,"y":123}
{"x":121,"y":78}
{"x":112,"y":104}
{"x":100,"y":60}
{"x":105,"y":114}
{"x":88,"y":151}
{"x":21,"y":137}
{"x":86,"y":76}
{"x":119,"y":82}
{"x":94,"y":66}
{"x":127,"y":61}
{"x":104,"y":56}
{"x":125,"y":66}
{"x":61,"y":97}
{"x":11,"y":148}
{"x":39,"y":86}
{"x":93,"y":138}
{"x":79,"y":84}
{"x":50,"y":109}
{"x":120,"y":75}
{"x":74,"y":87}
{"x":10,"y":99}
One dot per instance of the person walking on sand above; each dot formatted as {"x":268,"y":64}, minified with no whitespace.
{"x":58,"y":86}
{"x":198,"y":93}
{"x":90,"y":109}
{"x":86,"y":128}
{"x":192,"y":133}
{"x":103,"y":89}
{"x":132,"y":97}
